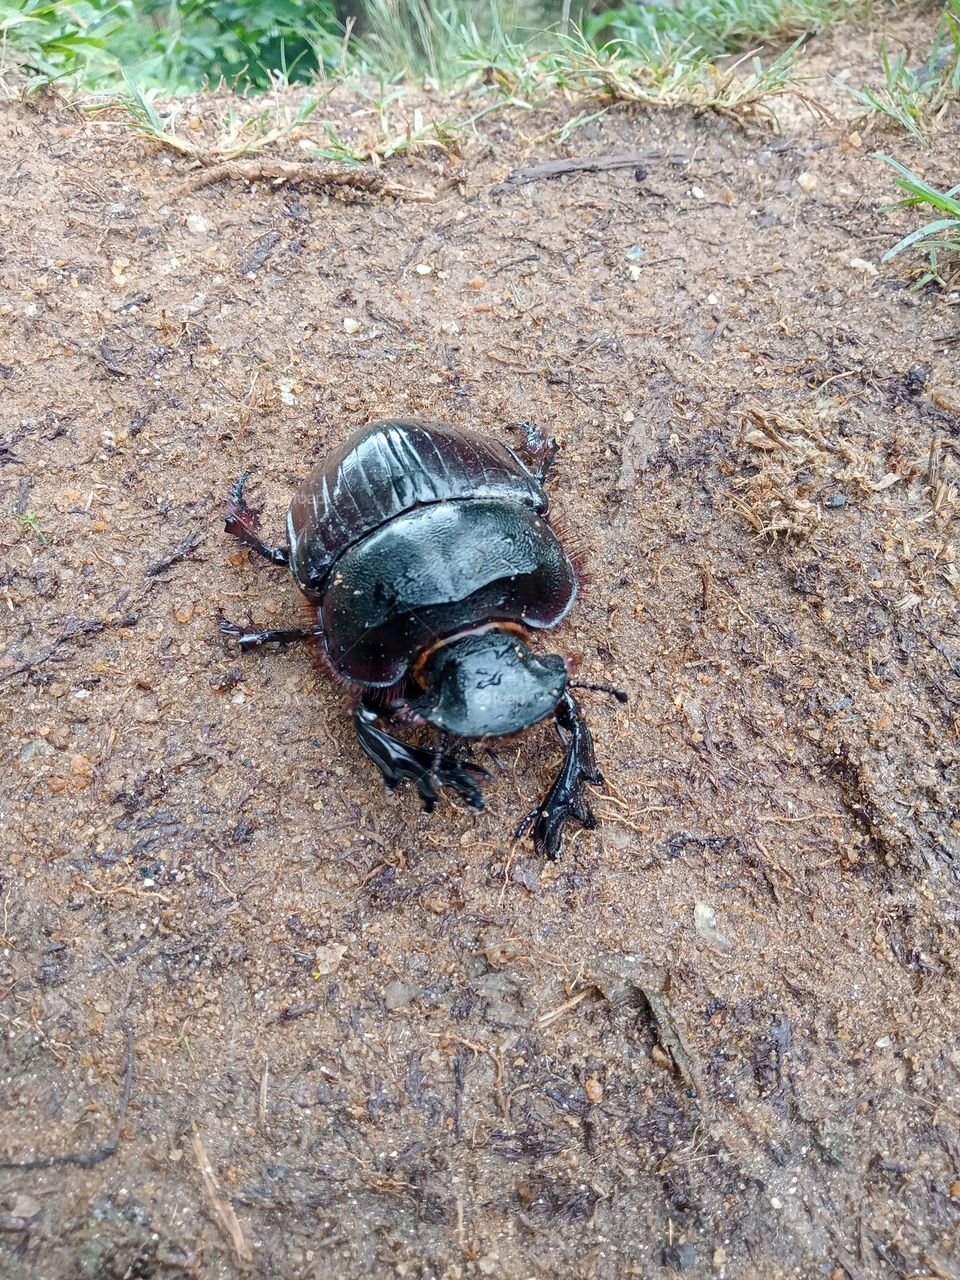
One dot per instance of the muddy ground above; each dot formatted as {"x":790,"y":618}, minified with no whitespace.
{"x":719,"y":1037}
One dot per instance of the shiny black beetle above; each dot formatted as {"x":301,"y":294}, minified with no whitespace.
{"x":427,"y":554}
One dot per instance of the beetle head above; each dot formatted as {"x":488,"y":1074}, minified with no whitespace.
{"x":487,"y":684}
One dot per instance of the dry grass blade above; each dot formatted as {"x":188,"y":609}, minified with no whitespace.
{"x":546,"y":1019}
{"x":221,"y":1207}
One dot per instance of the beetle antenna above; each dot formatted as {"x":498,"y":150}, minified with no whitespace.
{"x":619,"y":694}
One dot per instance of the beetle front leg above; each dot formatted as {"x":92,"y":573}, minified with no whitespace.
{"x":543,"y":449}
{"x":242,"y":523}
{"x":398,"y":761}
{"x":254,"y":639}
{"x":566,"y":798}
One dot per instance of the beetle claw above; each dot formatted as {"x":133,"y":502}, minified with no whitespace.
{"x":566,"y":799}
{"x":399,"y":761}
{"x":242,"y":523}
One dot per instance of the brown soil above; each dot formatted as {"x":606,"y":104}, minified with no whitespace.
{"x":718,"y":1037}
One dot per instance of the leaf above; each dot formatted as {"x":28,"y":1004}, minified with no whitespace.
{"x":931,"y":228}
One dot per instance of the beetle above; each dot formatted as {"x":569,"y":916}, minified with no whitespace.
{"x":426,"y":554}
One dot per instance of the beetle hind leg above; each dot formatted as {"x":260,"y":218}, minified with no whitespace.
{"x":566,"y":799}
{"x":399,"y":761}
{"x":242,"y":523}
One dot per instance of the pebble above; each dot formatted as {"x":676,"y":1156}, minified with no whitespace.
{"x":25,"y":1206}
{"x":807,"y":181}
{"x":947,"y":398}
{"x":636,"y":252}
{"x":705,"y":923}
{"x":197,"y":224}
{"x":862,"y":265}
{"x":38,"y":747}
{"x":327,"y":959}
{"x":350,"y":325}
{"x":423,"y":268}
{"x":698,"y":193}
{"x":399,"y":994}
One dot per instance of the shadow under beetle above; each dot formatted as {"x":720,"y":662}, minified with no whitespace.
{"x":428,"y":556}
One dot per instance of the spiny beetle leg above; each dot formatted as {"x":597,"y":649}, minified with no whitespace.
{"x":542,"y":448}
{"x":242,"y":523}
{"x":398,"y":761}
{"x":253,"y":639}
{"x":566,"y":798}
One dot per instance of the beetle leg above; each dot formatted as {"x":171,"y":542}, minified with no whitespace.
{"x":242,"y":523}
{"x":542,"y":448}
{"x":398,"y":761}
{"x":566,"y":798}
{"x":253,"y":639}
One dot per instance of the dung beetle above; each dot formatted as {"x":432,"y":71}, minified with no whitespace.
{"x":427,"y":557}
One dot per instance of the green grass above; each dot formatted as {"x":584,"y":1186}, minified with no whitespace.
{"x":936,"y":238}
{"x":913,"y":97}
{"x":184,"y":45}
{"x":717,"y":26}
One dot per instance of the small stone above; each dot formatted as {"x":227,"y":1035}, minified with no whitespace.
{"x":947,"y":398}
{"x":327,"y":959}
{"x":423,"y":268}
{"x":855,"y":140}
{"x":681,"y":1256}
{"x":955,"y":1190}
{"x":862,"y":265}
{"x":719,"y":1257}
{"x":636,"y":252}
{"x":705,"y":923}
{"x":350,"y":325}
{"x":399,"y":994}
{"x":477,"y":282}
{"x":25,"y":1206}
{"x":81,"y":765}
{"x":662,"y":1059}
{"x":698,"y":193}
{"x":593,"y":1089}
{"x":36,"y":747}
{"x":197,"y":224}
{"x":807,"y":181}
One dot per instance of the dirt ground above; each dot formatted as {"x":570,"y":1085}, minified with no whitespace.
{"x":720,"y":1036}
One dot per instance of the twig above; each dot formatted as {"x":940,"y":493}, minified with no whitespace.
{"x":557,"y":168}
{"x":89,"y":1159}
{"x":222,"y":1208}
{"x":277,"y":172}
{"x":264,"y":1081}
{"x":75,"y":627}
{"x":175,"y":554}
{"x":546,"y":1018}
{"x":298,"y":1010}
{"x":671,"y":1040}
